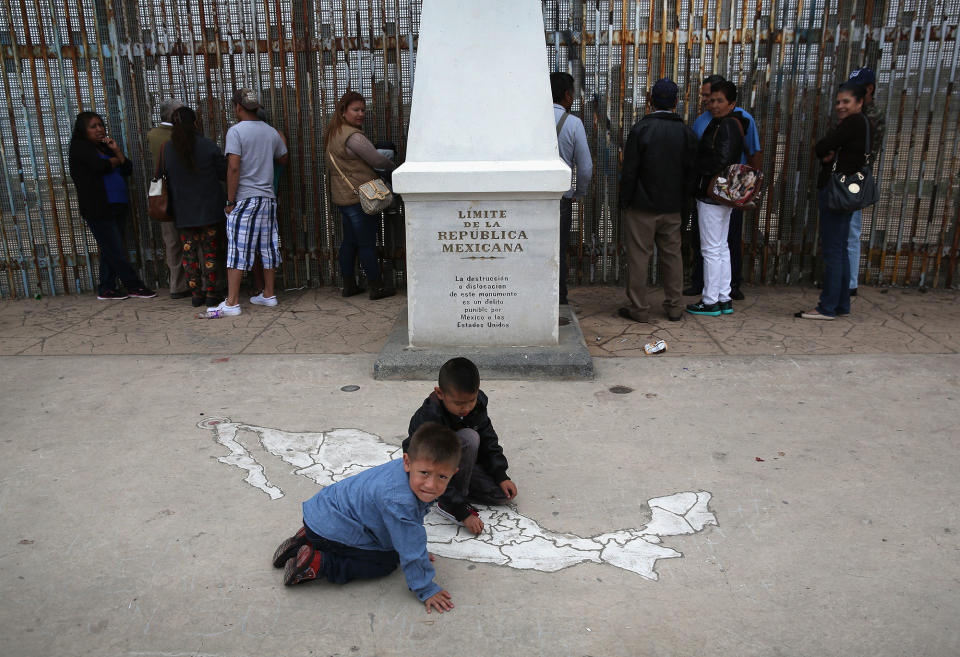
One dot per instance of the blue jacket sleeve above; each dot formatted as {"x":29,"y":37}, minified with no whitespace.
{"x":409,"y":538}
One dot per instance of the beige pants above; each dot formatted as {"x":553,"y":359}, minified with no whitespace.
{"x":174,"y":250}
{"x":641,"y":230}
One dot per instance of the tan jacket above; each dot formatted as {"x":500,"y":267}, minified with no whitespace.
{"x":356,"y":170}
{"x":157,"y":137}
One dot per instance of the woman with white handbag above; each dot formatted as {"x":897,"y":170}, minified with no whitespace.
{"x":351,"y":159}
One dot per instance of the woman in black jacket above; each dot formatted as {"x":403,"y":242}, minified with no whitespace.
{"x":720,"y":146}
{"x":99,"y":168}
{"x":845,"y":145}
{"x":195,"y":166}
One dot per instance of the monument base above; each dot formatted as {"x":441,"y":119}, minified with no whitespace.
{"x":568,"y":360}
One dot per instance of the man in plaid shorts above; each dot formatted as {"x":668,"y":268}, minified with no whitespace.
{"x":252,"y":149}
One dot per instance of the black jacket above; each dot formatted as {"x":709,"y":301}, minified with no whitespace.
{"x":489,"y":453}
{"x":87,"y":169}
{"x":197,"y":195}
{"x":720,"y":146}
{"x":658,"y":164}
{"x":849,"y":143}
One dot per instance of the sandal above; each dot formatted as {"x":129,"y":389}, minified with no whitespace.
{"x":812,"y":314}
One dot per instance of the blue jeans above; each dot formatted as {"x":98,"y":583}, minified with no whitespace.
{"x":853,"y":246}
{"x":108,"y":232}
{"x":834,"y":236}
{"x":359,"y":239}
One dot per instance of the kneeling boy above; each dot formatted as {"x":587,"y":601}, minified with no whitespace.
{"x":458,"y":403}
{"x":363,"y":526}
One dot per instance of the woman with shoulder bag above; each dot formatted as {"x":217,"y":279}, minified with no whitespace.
{"x":351,"y":159}
{"x":195,"y":167}
{"x":720,"y":146}
{"x":99,"y":170}
{"x":841,"y":151}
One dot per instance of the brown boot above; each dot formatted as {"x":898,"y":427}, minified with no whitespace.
{"x":381,"y":292}
{"x":350,"y":288}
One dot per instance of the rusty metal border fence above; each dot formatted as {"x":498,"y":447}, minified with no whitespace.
{"x":122,"y":58}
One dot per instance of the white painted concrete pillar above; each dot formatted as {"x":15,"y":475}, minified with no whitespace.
{"x":482,"y":179}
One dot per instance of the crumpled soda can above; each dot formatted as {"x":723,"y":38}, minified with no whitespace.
{"x":209,"y":313}
{"x":657,"y":347}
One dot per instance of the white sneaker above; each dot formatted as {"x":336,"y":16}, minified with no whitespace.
{"x":224,"y":310}
{"x":261,"y":300}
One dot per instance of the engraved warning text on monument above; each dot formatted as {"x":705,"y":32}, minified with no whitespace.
{"x":482,"y":300}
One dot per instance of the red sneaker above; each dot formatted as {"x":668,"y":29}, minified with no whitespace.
{"x":305,"y":566}
{"x":288,"y":549}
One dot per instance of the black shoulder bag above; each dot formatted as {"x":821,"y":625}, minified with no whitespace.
{"x":847,"y":192}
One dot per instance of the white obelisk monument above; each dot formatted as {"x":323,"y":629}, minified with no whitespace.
{"x":482,"y":179}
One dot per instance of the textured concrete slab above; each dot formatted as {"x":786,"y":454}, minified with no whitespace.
{"x":568,"y":360}
{"x":319,"y":321}
{"x":832,"y":480}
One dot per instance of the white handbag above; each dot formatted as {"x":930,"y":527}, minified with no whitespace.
{"x":375,"y":195}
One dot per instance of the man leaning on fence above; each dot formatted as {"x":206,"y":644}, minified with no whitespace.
{"x":572,"y":142}
{"x":253,"y":147}
{"x":659,"y":169}
{"x":156,"y":138}
{"x":866,"y":78}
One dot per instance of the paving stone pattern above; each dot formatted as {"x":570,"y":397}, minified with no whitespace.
{"x":319,"y":321}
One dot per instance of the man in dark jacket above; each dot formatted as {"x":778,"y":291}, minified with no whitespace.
{"x":657,"y":180}
{"x":458,"y":404}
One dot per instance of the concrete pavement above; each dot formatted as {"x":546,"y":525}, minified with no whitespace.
{"x":830,"y":466}
{"x":319,"y":321}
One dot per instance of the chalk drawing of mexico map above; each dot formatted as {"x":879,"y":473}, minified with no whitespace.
{"x":508,"y":539}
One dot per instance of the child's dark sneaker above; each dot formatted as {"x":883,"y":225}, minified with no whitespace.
{"x":305,"y":566}
{"x":289,"y":548}
{"x":447,"y":513}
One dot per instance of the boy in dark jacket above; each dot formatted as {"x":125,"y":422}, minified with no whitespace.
{"x":458,"y":403}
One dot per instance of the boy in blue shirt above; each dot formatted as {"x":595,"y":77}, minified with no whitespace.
{"x":363,"y":526}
